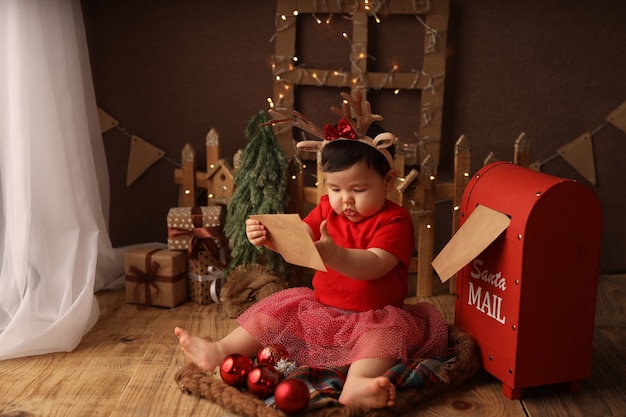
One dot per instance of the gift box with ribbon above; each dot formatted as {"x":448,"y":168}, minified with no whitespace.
{"x":196,"y":228}
{"x":155,"y":277}
{"x":205,"y":278}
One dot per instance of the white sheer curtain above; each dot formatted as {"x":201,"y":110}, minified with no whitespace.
{"x":54,"y":247}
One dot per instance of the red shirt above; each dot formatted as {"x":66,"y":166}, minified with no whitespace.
{"x":391,"y":229}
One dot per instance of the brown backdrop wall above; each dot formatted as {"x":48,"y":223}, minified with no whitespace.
{"x":169,"y":71}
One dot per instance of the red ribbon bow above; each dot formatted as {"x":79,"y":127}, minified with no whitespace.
{"x":343,"y":130}
{"x":199,"y":236}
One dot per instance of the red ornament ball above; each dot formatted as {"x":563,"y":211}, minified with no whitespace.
{"x":235,"y":368}
{"x":262,"y":381}
{"x":271,"y":354}
{"x":291,"y":396}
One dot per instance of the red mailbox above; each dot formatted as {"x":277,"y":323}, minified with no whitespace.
{"x":529,"y":298}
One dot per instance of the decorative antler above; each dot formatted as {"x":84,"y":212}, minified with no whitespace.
{"x":362,"y":111}
{"x":295,"y":119}
{"x":359,"y":122}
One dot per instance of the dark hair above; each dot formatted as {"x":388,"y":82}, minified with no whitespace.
{"x":338,"y":155}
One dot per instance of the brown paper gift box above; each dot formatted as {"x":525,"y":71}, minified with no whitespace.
{"x":205,"y":277}
{"x":195,"y":225}
{"x":155,"y":277}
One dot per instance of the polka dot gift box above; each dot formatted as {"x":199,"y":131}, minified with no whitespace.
{"x":196,"y":228}
{"x":205,"y":277}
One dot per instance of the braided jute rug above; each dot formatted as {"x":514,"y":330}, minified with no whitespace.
{"x":459,"y":366}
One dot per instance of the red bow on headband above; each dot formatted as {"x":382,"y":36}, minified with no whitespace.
{"x":343,"y":130}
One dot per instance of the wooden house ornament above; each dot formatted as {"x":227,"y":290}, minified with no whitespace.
{"x":218,"y":180}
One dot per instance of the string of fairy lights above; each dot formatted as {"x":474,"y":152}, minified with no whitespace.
{"x":289,"y":71}
{"x":283,"y":65}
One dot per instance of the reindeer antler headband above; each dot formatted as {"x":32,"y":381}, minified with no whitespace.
{"x":348,"y":128}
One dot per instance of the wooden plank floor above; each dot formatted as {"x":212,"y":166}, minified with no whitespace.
{"x":125,"y":366}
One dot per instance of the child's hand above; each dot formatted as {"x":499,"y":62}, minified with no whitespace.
{"x":256,"y":232}
{"x":326,"y":246}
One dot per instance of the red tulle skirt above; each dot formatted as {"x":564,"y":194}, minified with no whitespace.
{"x":318,"y":335}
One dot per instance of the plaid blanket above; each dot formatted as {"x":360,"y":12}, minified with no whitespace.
{"x":325,"y":384}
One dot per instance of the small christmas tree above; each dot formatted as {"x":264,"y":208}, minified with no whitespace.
{"x":260,"y":188}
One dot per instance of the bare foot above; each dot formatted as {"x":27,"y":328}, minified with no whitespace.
{"x":376,"y":392}
{"x":200,"y":351}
